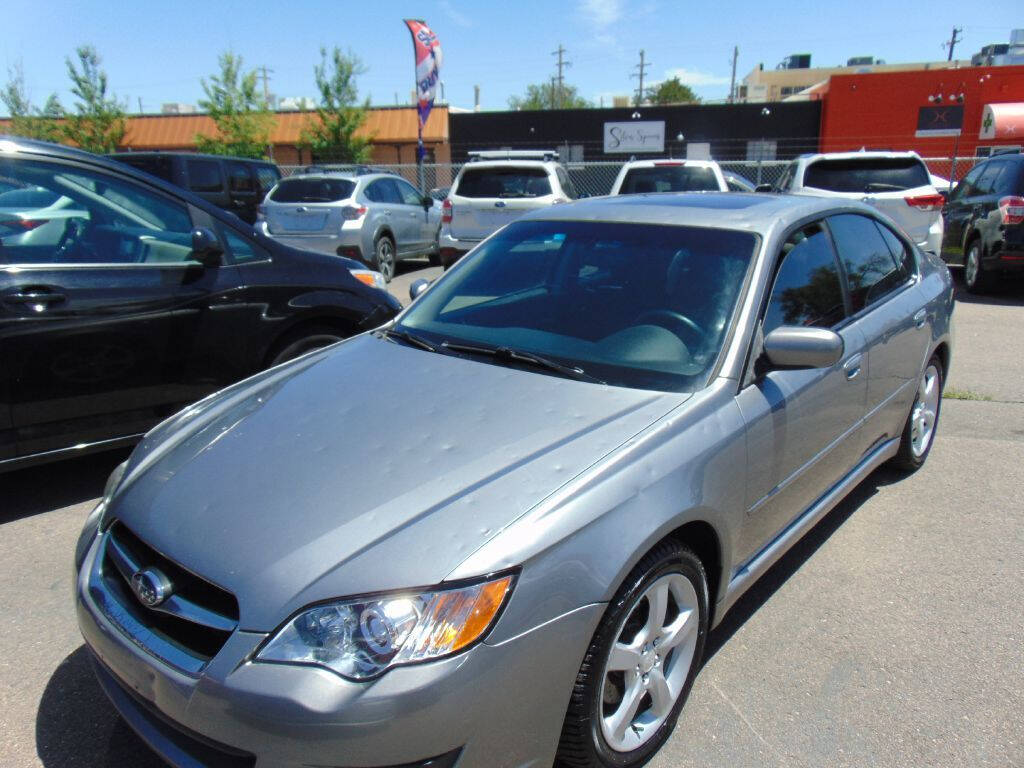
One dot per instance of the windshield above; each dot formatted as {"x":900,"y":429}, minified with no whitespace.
{"x":672,"y":178}
{"x":869,"y":174}
{"x":634,"y":305}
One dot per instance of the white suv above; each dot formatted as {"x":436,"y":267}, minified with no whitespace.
{"x":639,"y":176}
{"x":897,"y":183}
{"x":494,"y":188}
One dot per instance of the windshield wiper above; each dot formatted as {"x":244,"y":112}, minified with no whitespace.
{"x":881,"y":186}
{"x":408,"y":338}
{"x":509,"y":355}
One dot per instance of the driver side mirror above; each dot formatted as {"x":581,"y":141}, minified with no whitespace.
{"x":206,"y":248}
{"x":800,"y":347}
{"x":428,"y":202}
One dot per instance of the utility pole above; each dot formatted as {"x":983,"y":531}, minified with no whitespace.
{"x":264,"y":72}
{"x":641,"y":71}
{"x":732,"y":82}
{"x":955,"y":38}
{"x":140,"y":105}
{"x":556,"y":101}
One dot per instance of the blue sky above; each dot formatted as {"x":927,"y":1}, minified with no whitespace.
{"x":159,"y":51}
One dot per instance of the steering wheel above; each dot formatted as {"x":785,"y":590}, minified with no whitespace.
{"x":673,"y":321}
{"x":68,"y":244}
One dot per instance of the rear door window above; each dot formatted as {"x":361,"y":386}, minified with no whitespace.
{"x":303,"y":190}
{"x":204,"y":175}
{"x":871,"y":270}
{"x":161,"y":167}
{"x":672,"y":178}
{"x":868,"y":174}
{"x":900,"y":251}
{"x":807,"y":290}
{"x":504,"y":182}
{"x":240,"y":178}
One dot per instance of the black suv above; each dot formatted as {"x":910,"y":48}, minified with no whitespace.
{"x":123,"y":298}
{"x":235,"y":184}
{"x":984,"y":222}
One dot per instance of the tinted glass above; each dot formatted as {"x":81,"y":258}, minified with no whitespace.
{"x":636,"y":305}
{"x":672,"y":178}
{"x":871,"y":271}
{"x":239,"y":178}
{"x":241,"y":249}
{"x":204,"y":175}
{"x":409,"y":195}
{"x":96,"y":219}
{"x":807,"y":289}
{"x":874,"y":174}
{"x":307,"y":190}
{"x":986,"y":182}
{"x":1008,"y":182}
{"x":900,"y":251}
{"x":30,"y":197}
{"x":383,"y":191}
{"x":504,"y":182}
{"x":161,"y":167}
{"x":967,"y":184}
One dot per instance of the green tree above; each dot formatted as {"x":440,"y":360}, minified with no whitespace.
{"x":549,"y":96}
{"x":331,"y":134}
{"x":98,"y":123}
{"x":239,"y":112}
{"x":672,"y":91}
{"x":26,"y":120}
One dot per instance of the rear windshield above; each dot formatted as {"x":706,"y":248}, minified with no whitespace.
{"x":672,"y":178}
{"x":313,"y":190}
{"x":869,"y":174}
{"x":155,"y":166}
{"x":504,"y":182}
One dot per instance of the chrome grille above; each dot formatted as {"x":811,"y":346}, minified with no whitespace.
{"x":185,"y":628}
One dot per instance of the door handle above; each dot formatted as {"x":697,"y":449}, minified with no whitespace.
{"x":37,"y":301}
{"x":919,"y":318}
{"x":852,"y":367}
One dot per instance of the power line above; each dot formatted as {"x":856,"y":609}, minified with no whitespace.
{"x":562,"y":64}
{"x":641,"y":71}
{"x":955,"y":38}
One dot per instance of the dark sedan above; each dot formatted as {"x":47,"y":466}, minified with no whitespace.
{"x":145,"y":299}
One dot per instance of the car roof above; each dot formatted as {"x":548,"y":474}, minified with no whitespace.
{"x":547,"y":164}
{"x":746,"y":211}
{"x":189,"y":155}
{"x":860,"y":155}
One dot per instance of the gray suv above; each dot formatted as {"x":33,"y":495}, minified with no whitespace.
{"x":580,"y":446}
{"x":376,"y":218}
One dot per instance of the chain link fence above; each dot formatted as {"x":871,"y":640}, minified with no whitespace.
{"x":596,"y":178}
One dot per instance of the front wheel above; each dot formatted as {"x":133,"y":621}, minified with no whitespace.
{"x":640,"y":664}
{"x":919,"y":431}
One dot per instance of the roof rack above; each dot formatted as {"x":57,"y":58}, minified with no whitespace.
{"x":513,"y":154}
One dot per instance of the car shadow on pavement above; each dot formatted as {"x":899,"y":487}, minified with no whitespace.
{"x":77,"y":726}
{"x":56,"y":485}
{"x":1009,"y":294}
{"x":762,"y":589}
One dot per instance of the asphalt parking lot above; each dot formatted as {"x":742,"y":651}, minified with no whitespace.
{"x":892,"y":635}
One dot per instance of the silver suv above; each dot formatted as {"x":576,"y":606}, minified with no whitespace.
{"x":377,"y":218}
{"x":494,"y":188}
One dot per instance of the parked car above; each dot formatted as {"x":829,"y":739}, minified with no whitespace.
{"x":984,"y":219}
{"x":374,"y":217}
{"x":616,"y":414}
{"x":897,"y":183}
{"x":494,"y":188}
{"x":233,"y":184}
{"x":638,"y":176}
{"x":147,"y":300}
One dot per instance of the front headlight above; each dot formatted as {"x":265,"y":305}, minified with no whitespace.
{"x":361,"y":638}
{"x":370,"y":277}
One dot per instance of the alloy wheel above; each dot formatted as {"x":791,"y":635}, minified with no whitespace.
{"x":924,"y":413}
{"x":972,"y":266}
{"x":386,"y":258}
{"x":649,"y":662}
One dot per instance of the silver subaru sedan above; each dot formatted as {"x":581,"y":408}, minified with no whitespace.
{"x":498,"y":531}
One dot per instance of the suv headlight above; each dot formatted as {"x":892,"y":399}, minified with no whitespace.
{"x":361,"y":638}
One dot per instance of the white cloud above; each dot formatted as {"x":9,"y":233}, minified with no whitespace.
{"x":454,"y":16}
{"x":696,"y":79}
{"x":602,"y":13}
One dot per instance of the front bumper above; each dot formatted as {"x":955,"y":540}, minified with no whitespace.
{"x":495,"y":705}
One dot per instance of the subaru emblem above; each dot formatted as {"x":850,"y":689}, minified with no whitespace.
{"x":151,"y":587}
{"x":499,"y":204}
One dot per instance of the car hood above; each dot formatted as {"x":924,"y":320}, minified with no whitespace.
{"x":369,"y":466}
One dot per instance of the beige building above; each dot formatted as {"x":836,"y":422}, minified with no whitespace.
{"x":781,"y":84}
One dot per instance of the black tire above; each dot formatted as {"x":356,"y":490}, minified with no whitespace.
{"x":384,"y":257}
{"x":908,"y":458}
{"x":976,"y":279}
{"x":583,"y":744}
{"x":435,"y":259}
{"x":302,"y":340}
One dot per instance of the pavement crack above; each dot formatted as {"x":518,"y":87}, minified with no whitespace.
{"x":757,"y":734}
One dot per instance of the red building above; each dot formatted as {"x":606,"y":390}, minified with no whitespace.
{"x":932,"y":111}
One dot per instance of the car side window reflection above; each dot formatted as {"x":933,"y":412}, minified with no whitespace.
{"x":871,"y":270}
{"x":807,"y":290}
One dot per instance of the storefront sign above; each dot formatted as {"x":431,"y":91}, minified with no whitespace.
{"x":634,"y":136}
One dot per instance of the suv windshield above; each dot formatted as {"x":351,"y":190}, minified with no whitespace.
{"x":635,"y":305}
{"x":673,"y":178}
{"x":504,"y":182}
{"x":312,"y":190}
{"x":868,"y":174}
